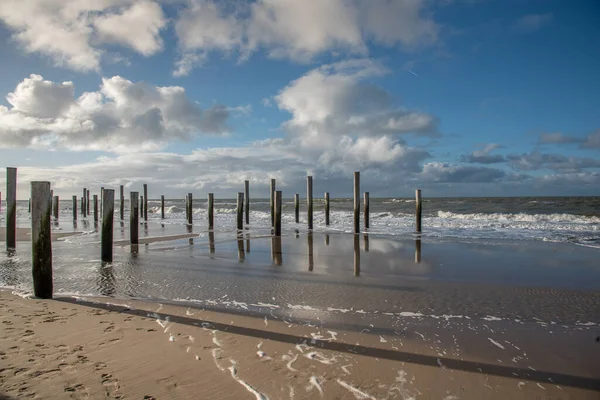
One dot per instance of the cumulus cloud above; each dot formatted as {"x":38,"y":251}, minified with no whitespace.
{"x":483,"y":156}
{"x":71,"y":32}
{"x":299,"y":30}
{"x":121,"y":116}
{"x":591,"y":141}
{"x":556,"y":162}
{"x":446,"y":172}
{"x":335,"y":101}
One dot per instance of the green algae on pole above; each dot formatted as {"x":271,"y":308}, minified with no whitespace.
{"x":108,"y":210}
{"x":134,"y":223}
{"x":41,"y":240}
{"x":356,"y":202}
{"x":278,"y":200}
{"x":211,"y":211}
{"x":11,"y":207}
{"x":309,"y":200}
{"x":327,"y":208}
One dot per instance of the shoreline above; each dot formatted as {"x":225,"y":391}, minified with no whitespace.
{"x":103,"y":343}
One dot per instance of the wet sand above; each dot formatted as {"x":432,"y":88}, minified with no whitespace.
{"x":24,"y":234}
{"x":67,"y":348}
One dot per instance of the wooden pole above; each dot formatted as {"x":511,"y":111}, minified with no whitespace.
{"x":278,"y":200}
{"x":309,"y":200}
{"x":327,"y":208}
{"x":87,"y":202}
{"x":146,"y":202}
{"x":121,"y":203}
{"x":29,"y":206}
{"x":240,"y":211}
{"x":74,"y":208}
{"x":101,"y":196}
{"x":272,"y":202}
{"x":134,"y":222}
{"x":11,"y":207}
{"x":418,"y":210}
{"x":211,"y":242}
{"x":247,"y":201}
{"x":141,"y":207}
{"x":366,"y":210}
{"x":162,"y":206}
{"x":55,"y":207}
{"x":108,"y":210}
{"x":95,"y":199}
{"x":190,"y":207}
{"x":211,"y":211}
{"x":41,"y":240}
{"x":356,"y":202}
{"x":297,"y":207}
{"x":83,"y":208}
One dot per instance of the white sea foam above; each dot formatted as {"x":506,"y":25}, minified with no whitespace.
{"x":496,"y":344}
{"x":359,"y":394}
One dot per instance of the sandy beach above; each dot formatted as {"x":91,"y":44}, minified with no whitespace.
{"x":76,"y":348}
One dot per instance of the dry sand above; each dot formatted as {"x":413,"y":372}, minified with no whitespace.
{"x":87,"y":349}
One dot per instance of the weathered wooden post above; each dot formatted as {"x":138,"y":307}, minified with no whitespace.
{"x":247,"y":201}
{"x":134,"y":222}
{"x":29,"y":206}
{"x":74,"y":208}
{"x":418,"y":210}
{"x":101,"y":196}
{"x":309,"y":200}
{"x":276,"y":253}
{"x":278,"y":200}
{"x":211,"y":211}
{"x":121,"y":203}
{"x":142,"y":207}
{"x":297,"y":207}
{"x":108,"y":211}
{"x":95,"y":198}
{"x":162,"y":206}
{"x":366,"y":210}
{"x":240,"y":211}
{"x":87,"y":202}
{"x":11,"y":207}
{"x":83,"y":207}
{"x":55,"y":207}
{"x":145,"y":202}
{"x":211,"y":242}
{"x":41,"y":240}
{"x":272,"y":202}
{"x":356,"y":256}
{"x":190,"y":207}
{"x":366,"y":240}
{"x":327,"y":208}
{"x":356,"y":202}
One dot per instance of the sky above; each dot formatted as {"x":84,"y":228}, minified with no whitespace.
{"x":456,"y":97}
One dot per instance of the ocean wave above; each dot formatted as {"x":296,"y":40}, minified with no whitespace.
{"x":522,"y":217}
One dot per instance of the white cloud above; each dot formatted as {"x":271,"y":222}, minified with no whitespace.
{"x":70,"y":32}
{"x":122,"y":116}
{"x":299,"y":30}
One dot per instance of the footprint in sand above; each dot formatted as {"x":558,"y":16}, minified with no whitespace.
{"x":111,"y":386}
{"x":77,"y":392}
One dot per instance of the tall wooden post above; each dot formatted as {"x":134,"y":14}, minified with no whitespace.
{"x":41,"y":240}
{"x":297,"y":207}
{"x":108,"y":210}
{"x":309,"y":200}
{"x":55,"y":207}
{"x":272,"y":202}
{"x":190,"y":207}
{"x":11,"y":207}
{"x":356,"y":202}
{"x":162,"y":206}
{"x":145,"y":202}
{"x":327,"y":208}
{"x":87,"y":202}
{"x":83,"y":207}
{"x":134,"y":222}
{"x":278,"y":201}
{"x":101,"y":196}
{"x":247,"y":201}
{"x":29,"y":206}
{"x":95,"y":198}
{"x":240,"y":211}
{"x":366,"y":210}
{"x":121,"y":203}
{"x":74,"y":208}
{"x":211,"y":211}
{"x":418,"y":210}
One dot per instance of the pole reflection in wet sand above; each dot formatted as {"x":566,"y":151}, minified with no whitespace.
{"x":418,"y":251}
{"x":276,"y":253}
{"x":211,"y":242}
{"x":311,"y":262}
{"x":356,"y":255}
{"x":241,"y":252}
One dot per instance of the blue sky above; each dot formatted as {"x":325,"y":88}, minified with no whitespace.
{"x":459,"y":97}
